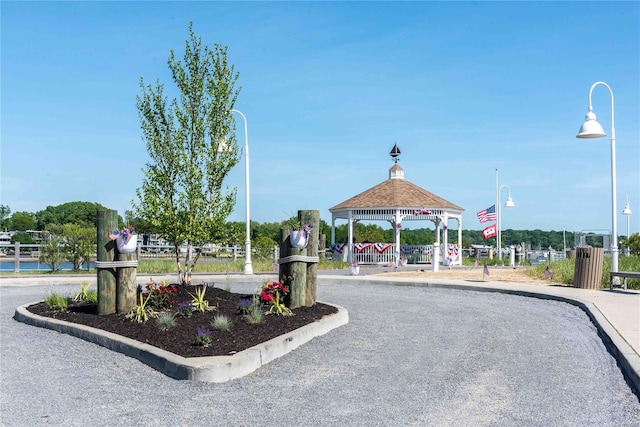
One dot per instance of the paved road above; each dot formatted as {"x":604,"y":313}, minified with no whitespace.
{"x":409,"y":356}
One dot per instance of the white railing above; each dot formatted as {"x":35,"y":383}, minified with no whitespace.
{"x":382,"y":253}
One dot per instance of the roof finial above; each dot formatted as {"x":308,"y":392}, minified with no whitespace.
{"x":395,"y":152}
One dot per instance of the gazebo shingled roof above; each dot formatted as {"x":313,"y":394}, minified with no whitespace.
{"x":396,"y":193}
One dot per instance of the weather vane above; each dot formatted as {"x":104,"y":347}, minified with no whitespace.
{"x":395,"y":152}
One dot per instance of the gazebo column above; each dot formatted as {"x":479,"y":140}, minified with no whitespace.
{"x":445,"y":235}
{"x":333,"y":230}
{"x":396,"y":237}
{"x":435,"y":260}
{"x":350,"y":240}
{"x":459,"y":240}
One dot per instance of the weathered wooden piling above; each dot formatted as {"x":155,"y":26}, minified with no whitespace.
{"x":299,"y":266}
{"x":107,"y":221}
{"x":126,"y":286}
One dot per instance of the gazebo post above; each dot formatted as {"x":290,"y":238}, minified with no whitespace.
{"x":396,"y":239}
{"x":435,"y":261}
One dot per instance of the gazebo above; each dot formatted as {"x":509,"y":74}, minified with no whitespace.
{"x":397,"y":200}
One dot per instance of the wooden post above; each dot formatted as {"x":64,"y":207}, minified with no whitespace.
{"x":107,"y":223}
{"x":311,"y":275}
{"x":16,"y":257}
{"x":126,"y":290}
{"x":298,"y":271}
{"x":322,"y":244}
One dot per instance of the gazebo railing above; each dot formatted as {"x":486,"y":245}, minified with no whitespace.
{"x":384,"y":253}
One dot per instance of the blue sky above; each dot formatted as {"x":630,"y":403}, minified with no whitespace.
{"x":463,"y":88}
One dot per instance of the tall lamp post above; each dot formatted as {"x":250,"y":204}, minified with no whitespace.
{"x":508,"y":204}
{"x":592,"y":129}
{"x":248,"y":269}
{"x":627,"y":213}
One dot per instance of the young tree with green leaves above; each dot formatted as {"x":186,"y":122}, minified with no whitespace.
{"x":192,"y":145}
{"x":78,"y":243}
{"x":5,"y":211}
{"x":51,"y":253}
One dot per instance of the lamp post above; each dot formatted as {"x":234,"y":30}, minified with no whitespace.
{"x":248,"y":269}
{"x":592,"y":129}
{"x":627,"y":212}
{"x":508,"y":204}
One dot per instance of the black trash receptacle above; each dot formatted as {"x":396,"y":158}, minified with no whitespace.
{"x":588,"y":270}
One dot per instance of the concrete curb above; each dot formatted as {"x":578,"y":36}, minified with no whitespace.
{"x":215,"y":369}
{"x":626,"y":357}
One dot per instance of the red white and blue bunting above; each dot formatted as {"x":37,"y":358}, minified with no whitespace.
{"x":337,"y":247}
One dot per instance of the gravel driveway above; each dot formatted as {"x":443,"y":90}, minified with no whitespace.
{"x":409,"y":356}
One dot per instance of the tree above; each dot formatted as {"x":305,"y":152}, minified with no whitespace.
{"x":23,"y":221}
{"x":633,"y":242}
{"x":51,"y":253}
{"x":192,"y":145}
{"x":4,"y":217}
{"x":78,"y":243}
{"x":23,"y":238}
{"x":81,"y":213}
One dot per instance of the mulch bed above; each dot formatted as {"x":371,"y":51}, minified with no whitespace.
{"x":180,"y":338}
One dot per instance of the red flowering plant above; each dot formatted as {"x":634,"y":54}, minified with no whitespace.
{"x":160,"y":294}
{"x":273,"y":294}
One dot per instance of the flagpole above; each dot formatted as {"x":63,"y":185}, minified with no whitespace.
{"x":498,"y":243}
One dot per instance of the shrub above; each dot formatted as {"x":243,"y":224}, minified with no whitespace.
{"x":160,"y":294}
{"x":57,"y":301}
{"x":92,"y":296}
{"x":185,"y":309}
{"x":198,"y":302}
{"x":203,"y":337}
{"x":221,"y":323}
{"x":82,"y":295}
{"x":255,"y":315}
{"x":141,"y":312}
{"x":165,"y":321}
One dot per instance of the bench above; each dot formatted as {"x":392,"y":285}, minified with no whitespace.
{"x":624,"y":274}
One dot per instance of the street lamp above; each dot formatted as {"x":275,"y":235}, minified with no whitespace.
{"x":592,"y":129}
{"x":627,"y":212}
{"x":248,"y":269}
{"x":508,"y":204}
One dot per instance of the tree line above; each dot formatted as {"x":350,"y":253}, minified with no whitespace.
{"x":82,"y":215}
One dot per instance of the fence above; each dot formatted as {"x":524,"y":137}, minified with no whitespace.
{"x":384,"y":254}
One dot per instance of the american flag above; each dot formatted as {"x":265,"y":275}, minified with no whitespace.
{"x":485,"y":271}
{"x":488,"y":214}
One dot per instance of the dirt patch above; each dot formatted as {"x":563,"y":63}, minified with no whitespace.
{"x":496,"y":274}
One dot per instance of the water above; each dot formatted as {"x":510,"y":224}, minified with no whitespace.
{"x":38,"y":266}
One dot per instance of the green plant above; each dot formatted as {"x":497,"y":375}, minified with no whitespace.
{"x":271,"y":294}
{"x":160,"y":294}
{"x":199,"y":302}
{"x":185,"y":309}
{"x":141,"y":312}
{"x":255,"y":315}
{"x":165,"y":321}
{"x":82,"y":295}
{"x":293,"y":222}
{"x":203,"y":337}
{"x":221,"y":323}
{"x":57,"y":301}
{"x":92,"y":296}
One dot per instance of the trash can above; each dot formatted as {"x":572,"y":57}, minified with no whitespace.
{"x":588,"y":270}
{"x":571,"y":254}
